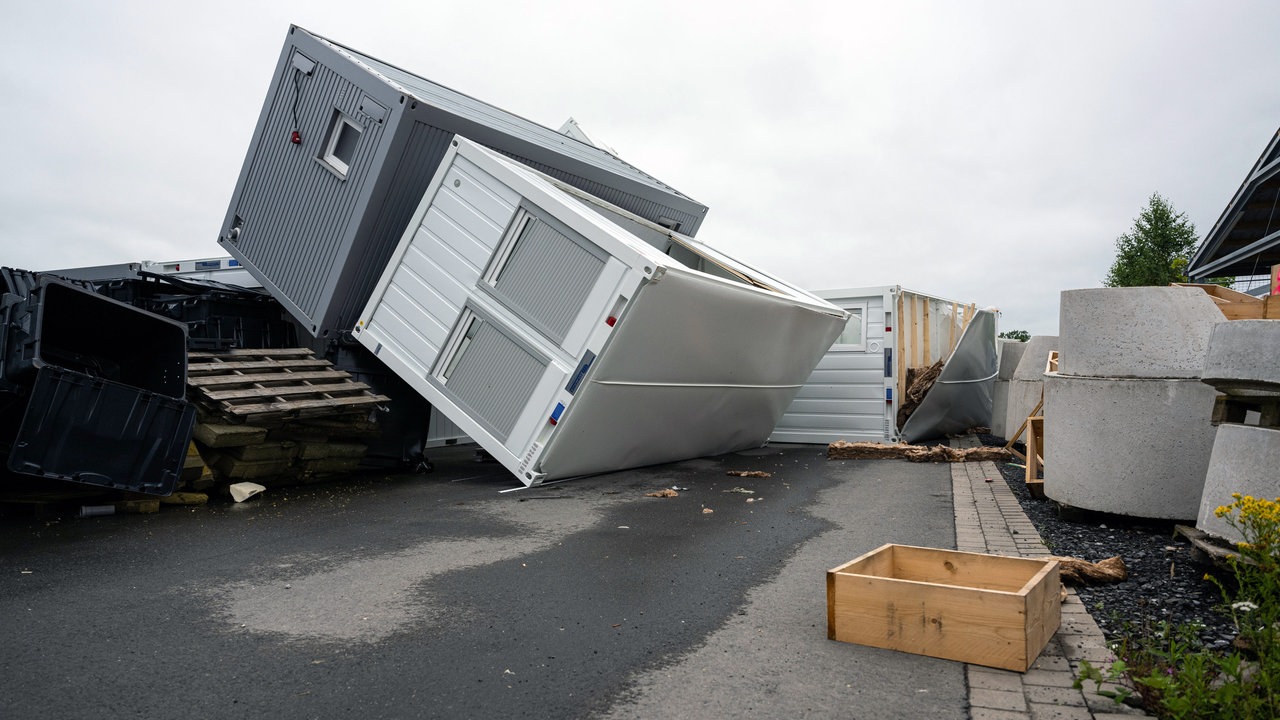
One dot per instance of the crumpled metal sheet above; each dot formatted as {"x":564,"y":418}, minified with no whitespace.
{"x":961,"y":397}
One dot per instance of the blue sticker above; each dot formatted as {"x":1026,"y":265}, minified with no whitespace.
{"x":583,"y":367}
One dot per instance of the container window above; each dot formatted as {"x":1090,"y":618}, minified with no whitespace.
{"x":854,"y":335}
{"x":340,"y":148}
{"x":460,"y":344}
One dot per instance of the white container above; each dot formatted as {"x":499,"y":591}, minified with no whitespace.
{"x":567,"y":336}
{"x":854,"y":392}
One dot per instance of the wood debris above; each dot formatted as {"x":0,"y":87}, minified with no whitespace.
{"x":749,"y":473}
{"x":663,"y":493}
{"x":842,"y":450}
{"x":281,"y":415}
{"x":919,"y":382}
{"x":1075,"y":571}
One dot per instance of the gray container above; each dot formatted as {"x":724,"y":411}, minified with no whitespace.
{"x":317,"y":220}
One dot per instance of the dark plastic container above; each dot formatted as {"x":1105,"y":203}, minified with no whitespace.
{"x":217,"y":316}
{"x":62,"y":325}
{"x":89,"y":430}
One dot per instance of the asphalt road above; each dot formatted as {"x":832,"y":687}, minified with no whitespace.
{"x":438,"y":596}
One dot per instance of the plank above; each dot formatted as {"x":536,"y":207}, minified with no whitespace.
{"x":217,"y":435}
{"x":302,"y":407}
{"x":901,"y":350}
{"x":249,"y":393}
{"x":250,"y":352}
{"x":241,"y":366}
{"x":215,"y":380}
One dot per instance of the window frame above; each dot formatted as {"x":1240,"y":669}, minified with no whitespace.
{"x":338,"y":126}
{"x":855,"y":310}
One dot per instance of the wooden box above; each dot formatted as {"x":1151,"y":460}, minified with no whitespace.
{"x":981,"y":609}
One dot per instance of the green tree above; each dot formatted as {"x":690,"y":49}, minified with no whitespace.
{"x":1019,"y":335}
{"x":1156,"y":250}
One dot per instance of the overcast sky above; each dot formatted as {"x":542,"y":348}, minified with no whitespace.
{"x":986,"y":152}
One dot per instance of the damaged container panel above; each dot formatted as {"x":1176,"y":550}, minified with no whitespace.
{"x":564,"y":335}
{"x":96,"y":388}
{"x":97,"y":432}
{"x":859,"y":385}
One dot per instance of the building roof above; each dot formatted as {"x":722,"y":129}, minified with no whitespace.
{"x":1246,"y":239}
{"x":478,"y":111}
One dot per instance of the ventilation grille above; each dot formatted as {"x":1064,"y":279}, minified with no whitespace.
{"x":546,"y":276}
{"x":493,"y":376}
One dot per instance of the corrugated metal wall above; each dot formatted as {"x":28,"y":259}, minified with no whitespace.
{"x":844,"y":397}
{"x":296,"y":212}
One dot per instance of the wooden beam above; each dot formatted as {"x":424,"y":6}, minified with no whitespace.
{"x":928,"y":349}
{"x":951,"y":329}
{"x":901,"y":323}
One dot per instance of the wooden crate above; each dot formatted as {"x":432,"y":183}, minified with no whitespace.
{"x":981,"y":609}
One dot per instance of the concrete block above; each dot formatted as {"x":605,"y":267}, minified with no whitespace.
{"x":1131,"y":446}
{"x":1244,"y":460}
{"x":1010,"y":355}
{"x":1142,"y":332}
{"x":1023,"y":397}
{"x":1000,"y":408}
{"x":1034,"y":356}
{"x":1243,"y":355}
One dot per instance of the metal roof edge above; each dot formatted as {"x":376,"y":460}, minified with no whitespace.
{"x":1213,"y":239}
{"x":359,"y":58}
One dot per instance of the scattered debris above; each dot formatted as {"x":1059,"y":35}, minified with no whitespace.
{"x":242,"y":491}
{"x":751,"y":500}
{"x":663,"y":493}
{"x":842,"y":450}
{"x":1075,"y":571}
{"x":742,"y":490}
{"x":919,"y":380}
{"x":185,"y":498}
{"x":749,"y":473}
{"x":707,"y":511}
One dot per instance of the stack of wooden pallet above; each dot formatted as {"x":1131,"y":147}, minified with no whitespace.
{"x":281,"y":415}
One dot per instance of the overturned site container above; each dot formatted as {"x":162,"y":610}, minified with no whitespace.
{"x":98,"y":388}
{"x":855,"y":391}
{"x":343,"y":150}
{"x":568,"y":336}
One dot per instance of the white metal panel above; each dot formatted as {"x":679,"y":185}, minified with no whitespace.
{"x":844,"y":398}
{"x":697,"y":366}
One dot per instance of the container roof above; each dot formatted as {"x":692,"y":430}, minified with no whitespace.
{"x":478,"y":111}
{"x":1246,"y":239}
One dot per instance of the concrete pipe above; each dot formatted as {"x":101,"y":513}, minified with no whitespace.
{"x":1244,"y":460}
{"x":1129,"y":446}
{"x":1243,"y":356}
{"x":1026,"y":383}
{"x":1142,"y":332}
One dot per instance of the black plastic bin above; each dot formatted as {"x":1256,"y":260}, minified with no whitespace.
{"x":97,"y":432}
{"x":69,"y":327}
{"x":93,"y":390}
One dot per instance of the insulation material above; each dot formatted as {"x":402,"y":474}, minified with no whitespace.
{"x":962,"y":395}
{"x":841,"y":450}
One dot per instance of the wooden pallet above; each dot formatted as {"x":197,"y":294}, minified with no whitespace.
{"x":1235,"y":408}
{"x":254,"y":384}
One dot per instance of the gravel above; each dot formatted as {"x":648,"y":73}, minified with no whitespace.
{"x":1164,"y":583}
